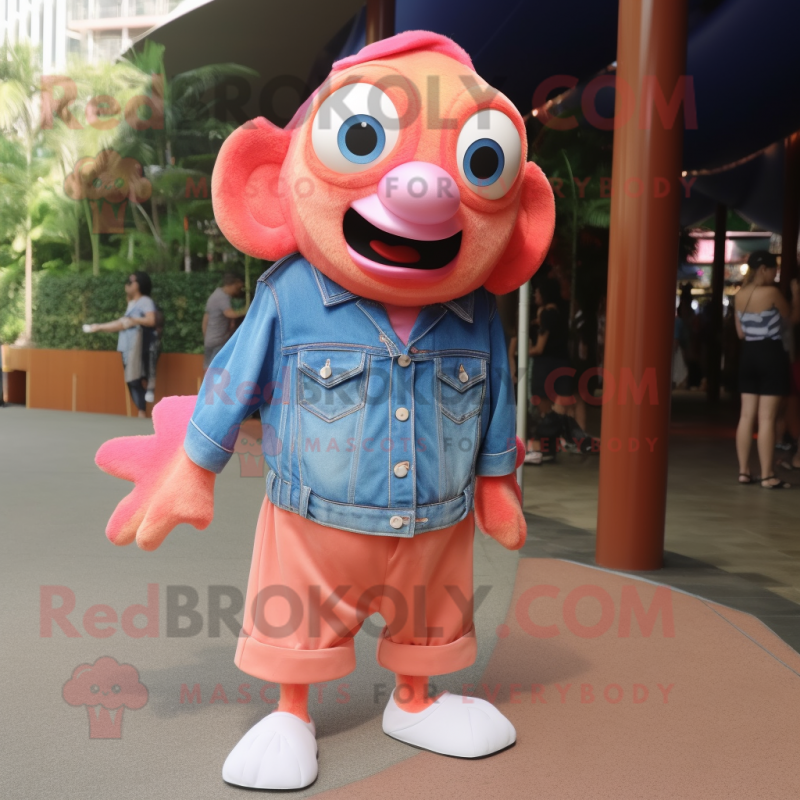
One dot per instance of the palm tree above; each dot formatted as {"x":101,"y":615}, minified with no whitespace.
{"x":578,"y":164}
{"x":186,"y":146}
{"x":21,"y":123}
{"x":120,"y":81}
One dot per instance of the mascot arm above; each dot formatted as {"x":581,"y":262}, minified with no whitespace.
{"x":497,"y":497}
{"x":174,"y":469}
{"x":498,"y":509}
{"x":169,"y":488}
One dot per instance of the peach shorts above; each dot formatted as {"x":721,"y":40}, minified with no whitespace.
{"x":311,"y":588}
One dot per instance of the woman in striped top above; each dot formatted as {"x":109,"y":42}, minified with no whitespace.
{"x":761,"y":311}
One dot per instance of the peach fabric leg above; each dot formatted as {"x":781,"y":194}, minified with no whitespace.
{"x":294,"y":700}
{"x":311,"y":587}
{"x":412,"y":693}
{"x":433,"y":572}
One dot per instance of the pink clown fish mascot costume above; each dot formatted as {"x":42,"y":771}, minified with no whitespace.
{"x":394,"y":205}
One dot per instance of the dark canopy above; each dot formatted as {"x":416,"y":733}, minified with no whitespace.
{"x":742,"y":56}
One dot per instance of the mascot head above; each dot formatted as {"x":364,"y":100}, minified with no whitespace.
{"x":403,"y":178}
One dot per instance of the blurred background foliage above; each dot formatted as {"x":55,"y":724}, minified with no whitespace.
{"x":51,"y":234}
{"x":577,"y":161}
{"x":63,"y":303}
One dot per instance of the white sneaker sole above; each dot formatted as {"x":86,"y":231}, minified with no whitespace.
{"x":279,"y":752}
{"x":462,"y":727}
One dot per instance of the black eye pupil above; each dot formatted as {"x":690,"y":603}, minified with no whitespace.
{"x":484,"y":163}
{"x":361,"y":139}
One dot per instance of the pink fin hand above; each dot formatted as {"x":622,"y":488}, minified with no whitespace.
{"x":498,"y":511}
{"x":520,"y":453}
{"x":169,"y":488}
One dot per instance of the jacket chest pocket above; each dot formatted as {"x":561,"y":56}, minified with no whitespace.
{"x":460,"y":384}
{"x":330,"y":383}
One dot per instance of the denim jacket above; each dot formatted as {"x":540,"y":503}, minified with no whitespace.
{"x":361,"y":432}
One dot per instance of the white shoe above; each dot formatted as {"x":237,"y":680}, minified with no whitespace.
{"x":452,"y":725}
{"x":280,"y":752}
{"x":533,"y":457}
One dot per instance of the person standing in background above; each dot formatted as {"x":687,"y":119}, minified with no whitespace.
{"x":761,"y":312}
{"x":551,"y":380}
{"x":584,"y":359}
{"x":551,"y":349}
{"x":688,"y":331}
{"x":140,"y":313}
{"x":219,"y":316}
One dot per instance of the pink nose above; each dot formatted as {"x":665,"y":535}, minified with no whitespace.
{"x":420,"y":192}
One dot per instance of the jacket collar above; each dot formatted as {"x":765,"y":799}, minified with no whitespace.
{"x":333,"y":294}
{"x":462,"y":306}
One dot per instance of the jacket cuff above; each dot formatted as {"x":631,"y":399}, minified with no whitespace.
{"x":204,"y":451}
{"x":493,"y":465}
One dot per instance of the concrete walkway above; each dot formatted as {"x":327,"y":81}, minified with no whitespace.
{"x":55,"y":504}
{"x":197,"y":704}
{"x":739,"y":545}
{"x":653,"y":709}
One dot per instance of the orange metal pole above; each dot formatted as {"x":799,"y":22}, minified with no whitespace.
{"x":380,"y":20}
{"x":643,"y":257}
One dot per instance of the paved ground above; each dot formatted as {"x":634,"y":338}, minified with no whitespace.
{"x":606,"y":711}
{"x":55,"y":504}
{"x":746,"y":539}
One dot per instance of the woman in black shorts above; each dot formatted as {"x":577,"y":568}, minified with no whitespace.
{"x":764,"y":365}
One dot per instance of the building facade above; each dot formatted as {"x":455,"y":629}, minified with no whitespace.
{"x":94,"y":30}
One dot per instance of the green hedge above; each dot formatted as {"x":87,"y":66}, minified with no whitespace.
{"x":12,"y":303}
{"x":63,"y":303}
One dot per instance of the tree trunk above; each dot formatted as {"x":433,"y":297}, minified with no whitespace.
{"x":95,"y":254}
{"x":573,"y":278}
{"x":157,"y":227}
{"x":94,"y":238}
{"x":28,"y":286}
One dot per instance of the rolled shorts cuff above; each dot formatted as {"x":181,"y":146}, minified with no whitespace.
{"x":427,"y":660}
{"x":284,"y":665}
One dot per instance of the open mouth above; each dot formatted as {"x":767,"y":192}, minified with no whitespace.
{"x":390,"y":250}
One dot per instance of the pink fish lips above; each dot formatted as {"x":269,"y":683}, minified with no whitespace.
{"x":106,"y":688}
{"x":409,"y":227}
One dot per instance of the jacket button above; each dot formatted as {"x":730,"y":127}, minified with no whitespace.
{"x":401,"y":469}
{"x":396,"y":522}
{"x":462,"y":374}
{"x":401,"y":414}
{"x":404,"y":360}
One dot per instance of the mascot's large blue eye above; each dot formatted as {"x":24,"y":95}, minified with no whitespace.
{"x":361,"y":139}
{"x":484,"y":162}
{"x":489,"y":152}
{"x":355,"y":128}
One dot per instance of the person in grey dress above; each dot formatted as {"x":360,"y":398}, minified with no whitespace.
{"x":140,"y":313}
